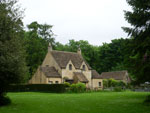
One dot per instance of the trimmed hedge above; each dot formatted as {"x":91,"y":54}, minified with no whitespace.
{"x":53,"y":88}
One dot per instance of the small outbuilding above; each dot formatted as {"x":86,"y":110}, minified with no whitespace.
{"x":117,"y":75}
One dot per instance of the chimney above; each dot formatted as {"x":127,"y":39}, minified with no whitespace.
{"x":79,"y":51}
{"x":50,"y":47}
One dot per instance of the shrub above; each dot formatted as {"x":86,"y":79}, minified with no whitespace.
{"x":73,"y":88}
{"x":81,"y":87}
{"x":118,"y":89}
{"x":121,"y":83}
{"x":112,"y":82}
{"x":129,"y":86}
{"x":78,"y":88}
{"x":67,"y":84}
{"x":105,"y":83}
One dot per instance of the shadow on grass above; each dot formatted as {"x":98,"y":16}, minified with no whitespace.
{"x":147,"y":101}
{"x":4,"y":101}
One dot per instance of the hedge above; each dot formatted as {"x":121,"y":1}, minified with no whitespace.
{"x":53,"y":88}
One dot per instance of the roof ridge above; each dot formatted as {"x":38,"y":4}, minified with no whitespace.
{"x":115,"y":71}
{"x":64,"y":51}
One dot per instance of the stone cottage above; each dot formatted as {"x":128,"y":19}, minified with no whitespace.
{"x":117,"y":75}
{"x":60,"y":66}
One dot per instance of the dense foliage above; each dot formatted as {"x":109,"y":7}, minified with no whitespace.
{"x":77,"y":88}
{"x":138,"y":58}
{"x":36,"y":41}
{"x":108,"y":57}
{"x":107,"y":83}
{"x":12,"y":55}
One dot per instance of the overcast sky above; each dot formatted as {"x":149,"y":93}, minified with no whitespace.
{"x":96,"y":21}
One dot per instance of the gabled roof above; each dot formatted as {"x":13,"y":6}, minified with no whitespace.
{"x":62,"y":58}
{"x":80,"y":76}
{"x":95,"y":75}
{"x":50,"y":72}
{"x":118,"y":75}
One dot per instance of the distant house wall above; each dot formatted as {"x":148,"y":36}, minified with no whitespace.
{"x":53,"y":80}
{"x":50,"y":61}
{"x":95,"y":83}
{"x":38,"y":78}
{"x":87,"y":73}
{"x":67,"y":73}
{"x":70,"y":73}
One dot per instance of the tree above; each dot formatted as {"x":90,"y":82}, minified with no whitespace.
{"x":36,"y":42}
{"x":111,"y":55}
{"x":12,"y":55}
{"x":42,"y":30}
{"x":138,"y":58}
{"x":108,"y":57}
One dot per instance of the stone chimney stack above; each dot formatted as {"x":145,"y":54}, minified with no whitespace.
{"x":50,"y":47}
{"x":79,"y":51}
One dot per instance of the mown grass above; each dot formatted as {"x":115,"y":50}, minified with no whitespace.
{"x":95,"y":102}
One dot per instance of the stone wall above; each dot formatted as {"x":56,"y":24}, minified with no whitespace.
{"x":53,"y":80}
{"x":69,"y":73}
{"x":66,"y":73}
{"x":38,"y":78}
{"x":50,"y":61}
{"x":88,"y":74}
{"x":95,"y":83}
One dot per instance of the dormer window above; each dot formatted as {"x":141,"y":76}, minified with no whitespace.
{"x":83,"y":67}
{"x":70,"y":66}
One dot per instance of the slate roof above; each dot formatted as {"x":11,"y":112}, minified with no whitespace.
{"x":81,"y":77}
{"x":50,"y":72}
{"x":95,"y":75}
{"x":62,"y":58}
{"x":117,"y":75}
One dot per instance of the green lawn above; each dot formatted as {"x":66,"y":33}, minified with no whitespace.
{"x":97,"y":102}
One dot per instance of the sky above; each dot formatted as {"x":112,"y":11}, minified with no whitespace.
{"x":97,"y":21}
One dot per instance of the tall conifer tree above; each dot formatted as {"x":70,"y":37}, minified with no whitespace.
{"x":138,"y":60}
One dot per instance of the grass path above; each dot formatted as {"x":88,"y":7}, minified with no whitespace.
{"x":99,"y":102}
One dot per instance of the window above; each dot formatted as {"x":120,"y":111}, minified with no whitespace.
{"x":99,"y":84}
{"x":70,"y":67}
{"x":50,"y":82}
{"x":83,"y":67}
{"x":56,"y":82}
{"x":47,"y":65}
